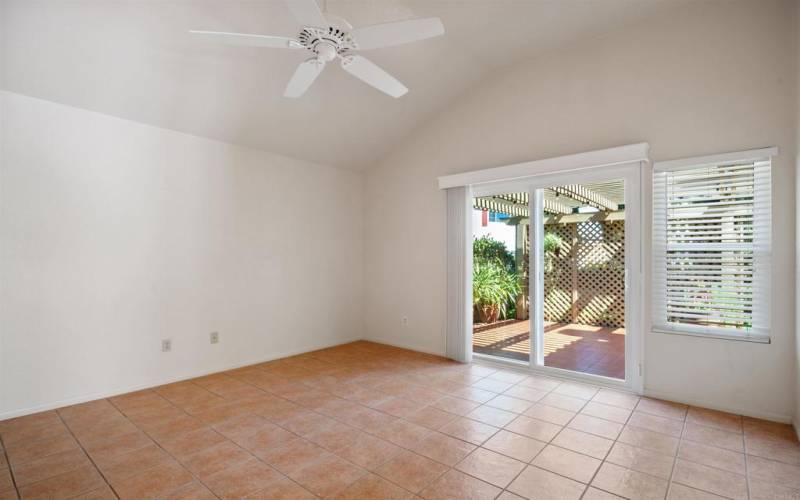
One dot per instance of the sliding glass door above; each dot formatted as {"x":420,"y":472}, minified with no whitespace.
{"x":582,"y":232}
{"x":500,"y":251}
{"x":551,"y":272}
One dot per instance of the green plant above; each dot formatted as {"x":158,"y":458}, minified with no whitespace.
{"x":487,"y":250}
{"x":552,"y":247}
{"x":494,"y":287}
{"x":552,"y":243}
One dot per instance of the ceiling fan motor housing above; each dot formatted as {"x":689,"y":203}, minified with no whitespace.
{"x":326,"y":43}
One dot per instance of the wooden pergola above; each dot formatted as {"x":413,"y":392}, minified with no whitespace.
{"x":566,"y":208}
{"x":563,"y":204}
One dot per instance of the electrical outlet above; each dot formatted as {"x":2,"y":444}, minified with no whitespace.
{"x":166,"y":345}
{"x":214,"y":337}
{"x":404,"y":321}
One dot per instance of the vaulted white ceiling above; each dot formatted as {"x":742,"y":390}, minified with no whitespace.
{"x":134,"y":59}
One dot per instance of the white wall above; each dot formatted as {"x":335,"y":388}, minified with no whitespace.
{"x":708,"y":78}
{"x":115,"y":235}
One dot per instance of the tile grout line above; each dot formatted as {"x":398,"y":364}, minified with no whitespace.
{"x":605,"y":459}
{"x":746,"y":463}
{"x":480,"y":446}
{"x":10,"y":470}
{"x":277,"y":424}
{"x":156,"y":443}
{"x":211,"y":427}
{"x":675,"y":458}
{"x":85,"y":452}
{"x":457,"y":416}
{"x":549,"y":442}
{"x":566,"y":425}
{"x":529,"y":463}
{"x":303,"y":437}
{"x":313,"y":410}
{"x":681,"y":438}
{"x":580,"y":412}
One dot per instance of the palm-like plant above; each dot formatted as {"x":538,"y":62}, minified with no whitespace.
{"x":493,"y":288}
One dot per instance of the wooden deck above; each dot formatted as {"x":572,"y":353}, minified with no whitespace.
{"x":583,"y":348}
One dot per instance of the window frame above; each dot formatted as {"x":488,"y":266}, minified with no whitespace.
{"x":659,"y":250}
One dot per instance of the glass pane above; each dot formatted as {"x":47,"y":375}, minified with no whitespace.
{"x":501,"y":244}
{"x":584,"y":278}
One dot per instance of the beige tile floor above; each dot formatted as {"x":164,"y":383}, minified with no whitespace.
{"x":366,"y":421}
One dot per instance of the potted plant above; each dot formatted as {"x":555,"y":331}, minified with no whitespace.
{"x":493,"y":288}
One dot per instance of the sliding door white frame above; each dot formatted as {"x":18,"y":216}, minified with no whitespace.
{"x":536,"y":276}
{"x":634,"y":328}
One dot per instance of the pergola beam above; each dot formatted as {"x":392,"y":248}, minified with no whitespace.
{"x":501,"y":206}
{"x":516,"y":205}
{"x":551,"y":206}
{"x":578,"y":218}
{"x":554,"y":207}
{"x":586,"y":195}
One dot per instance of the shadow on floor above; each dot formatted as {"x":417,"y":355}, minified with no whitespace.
{"x":582,"y":348}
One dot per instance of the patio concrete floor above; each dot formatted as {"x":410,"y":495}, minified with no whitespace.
{"x":584,"y":348}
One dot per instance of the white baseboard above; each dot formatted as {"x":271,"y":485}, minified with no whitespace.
{"x":405,"y":346}
{"x":157,"y":382}
{"x":747,"y":412}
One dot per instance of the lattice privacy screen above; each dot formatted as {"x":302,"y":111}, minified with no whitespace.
{"x":585,"y":278}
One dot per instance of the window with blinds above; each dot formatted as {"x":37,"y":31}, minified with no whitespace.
{"x":711,"y":240}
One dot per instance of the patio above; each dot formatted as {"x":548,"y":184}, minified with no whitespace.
{"x":583,"y":294}
{"x":584,"y":348}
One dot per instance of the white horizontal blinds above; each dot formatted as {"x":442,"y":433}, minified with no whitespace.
{"x":762,"y":243}
{"x":712,"y":248}
{"x":659,"y":249}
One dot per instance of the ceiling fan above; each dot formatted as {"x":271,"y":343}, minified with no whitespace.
{"x":329,"y":37}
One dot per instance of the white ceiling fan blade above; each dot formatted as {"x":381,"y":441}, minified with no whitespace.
{"x":372,"y":74}
{"x":303,"y":77}
{"x":247,"y":40}
{"x":307,"y":12}
{"x":396,"y":33}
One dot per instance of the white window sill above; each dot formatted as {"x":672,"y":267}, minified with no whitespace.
{"x":716,"y":336}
